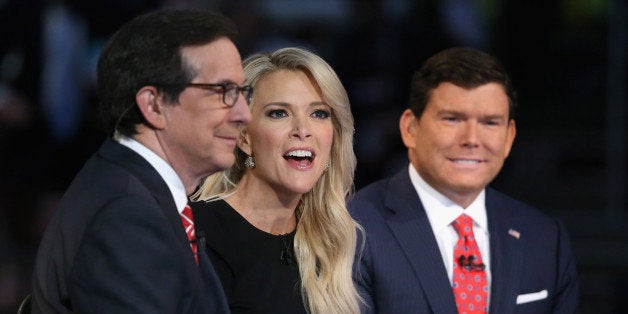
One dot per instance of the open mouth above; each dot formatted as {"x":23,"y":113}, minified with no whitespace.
{"x":301,"y":157}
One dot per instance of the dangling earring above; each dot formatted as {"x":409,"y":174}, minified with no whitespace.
{"x":249,"y":162}
{"x":327,"y":165}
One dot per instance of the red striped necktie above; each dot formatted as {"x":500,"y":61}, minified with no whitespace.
{"x":188,"y":224}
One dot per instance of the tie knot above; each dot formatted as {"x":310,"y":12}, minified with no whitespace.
{"x":463,"y":225}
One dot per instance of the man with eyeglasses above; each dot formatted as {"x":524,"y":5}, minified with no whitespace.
{"x":121,"y":240}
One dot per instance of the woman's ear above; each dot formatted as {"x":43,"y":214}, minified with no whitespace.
{"x":244,"y":142}
{"x":150,"y":103}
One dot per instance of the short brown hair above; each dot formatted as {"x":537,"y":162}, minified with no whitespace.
{"x":463,"y":67}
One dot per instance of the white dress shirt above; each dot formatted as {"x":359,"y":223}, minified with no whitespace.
{"x":441,"y":212}
{"x":164,"y":169}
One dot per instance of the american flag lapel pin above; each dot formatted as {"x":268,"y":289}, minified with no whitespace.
{"x":514,"y":233}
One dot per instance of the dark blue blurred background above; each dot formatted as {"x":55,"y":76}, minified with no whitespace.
{"x":567,"y":59}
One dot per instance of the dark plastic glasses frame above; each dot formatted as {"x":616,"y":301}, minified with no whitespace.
{"x":230,"y":91}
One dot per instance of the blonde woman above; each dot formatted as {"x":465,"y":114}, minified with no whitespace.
{"x":275,"y":224}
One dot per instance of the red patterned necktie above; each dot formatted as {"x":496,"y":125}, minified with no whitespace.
{"x":469,"y":281}
{"x":188,"y":224}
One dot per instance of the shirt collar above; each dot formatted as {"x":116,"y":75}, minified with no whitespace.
{"x":164,"y":169}
{"x":441,"y":211}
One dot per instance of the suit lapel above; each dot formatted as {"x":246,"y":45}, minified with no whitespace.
{"x":204,"y":276}
{"x":142,"y":170}
{"x":412,"y":229}
{"x":217,"y":302}
{"x":507,"y":240}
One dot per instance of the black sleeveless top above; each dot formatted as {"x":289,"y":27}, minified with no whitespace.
{"x":257,"y":269}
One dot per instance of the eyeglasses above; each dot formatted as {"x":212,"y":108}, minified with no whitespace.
{"x":230,"y":91}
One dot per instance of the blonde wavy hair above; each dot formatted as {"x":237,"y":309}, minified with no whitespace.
{"x":325,"y":239}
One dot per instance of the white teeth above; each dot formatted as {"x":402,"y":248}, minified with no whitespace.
{"x":466,"y":161}
{"x":299,"y":153}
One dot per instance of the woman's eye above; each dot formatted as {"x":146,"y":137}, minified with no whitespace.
{"x":321,"y":114}
{"x":278,"y":113}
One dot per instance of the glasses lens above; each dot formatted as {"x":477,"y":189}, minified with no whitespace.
{"x":230,"y":94}
{"x":247,"y":91}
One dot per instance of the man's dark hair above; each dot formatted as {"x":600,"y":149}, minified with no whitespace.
{"x":464,"y":67}
{"x":147,"y":51}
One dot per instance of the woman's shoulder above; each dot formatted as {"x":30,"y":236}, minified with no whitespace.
{"x":211,"y":214}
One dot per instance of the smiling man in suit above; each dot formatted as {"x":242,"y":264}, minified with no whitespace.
{"x":122,"y":239}
{"x":437,"y":239}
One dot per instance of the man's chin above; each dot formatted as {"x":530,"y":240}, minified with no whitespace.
{"x":469,"y":189}
{"x":222,"y":164}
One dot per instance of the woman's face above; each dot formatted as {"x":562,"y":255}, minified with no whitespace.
{"x":291,"y":132}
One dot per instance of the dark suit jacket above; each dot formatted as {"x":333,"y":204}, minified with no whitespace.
{"x":400,"y":269}
{"x":116,"y":244}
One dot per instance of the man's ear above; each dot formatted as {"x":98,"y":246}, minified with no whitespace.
{"x":244,"y":142}
{"x":510,"y":136}
{"x":408,"y":124}
{"x":150,"y":103}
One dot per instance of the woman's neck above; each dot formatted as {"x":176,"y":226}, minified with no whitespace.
{"x":264,"y":208}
